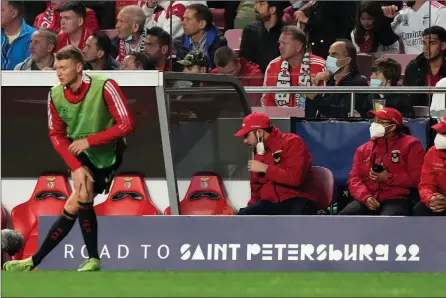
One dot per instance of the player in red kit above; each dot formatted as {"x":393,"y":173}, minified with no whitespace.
{"x":88,"y":117}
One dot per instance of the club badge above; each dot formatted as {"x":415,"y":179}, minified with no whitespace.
{"x":51,"y":183}
{"x":395,"y":154}
{"x":204,"y":182}
{"x":276,"y":156}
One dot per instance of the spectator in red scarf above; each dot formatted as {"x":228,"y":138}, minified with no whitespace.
{"x":372,"y":34}
{"x":72,"y":22}
{"x":50,"y":18}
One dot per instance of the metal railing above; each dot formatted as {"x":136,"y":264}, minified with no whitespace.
{"x":318,"y":90}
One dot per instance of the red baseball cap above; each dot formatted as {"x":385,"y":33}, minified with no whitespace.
{"x":388,"y":114}
{"x":253,"y":121}
{"x":440,"y":127}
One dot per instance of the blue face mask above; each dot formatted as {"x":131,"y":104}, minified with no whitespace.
{"x":298,"y":4}
{"x":375,"y":83}
{"x":331,"y":65}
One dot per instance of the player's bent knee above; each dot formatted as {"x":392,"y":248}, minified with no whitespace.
{"x":71,"y":205}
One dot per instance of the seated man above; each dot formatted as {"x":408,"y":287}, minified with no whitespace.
{"x":387,"y":72}
{"x":279,"y":168}
{"x":432,"y":187}
{"x":385,"y":168}
{"x":137,"y":61}
{"x":195,"y":62}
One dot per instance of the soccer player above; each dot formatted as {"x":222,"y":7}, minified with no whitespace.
{"x":88,"y":117}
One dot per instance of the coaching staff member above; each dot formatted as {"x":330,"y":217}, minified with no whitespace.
{"x":278,"y":169}
{"x":87,"y":117}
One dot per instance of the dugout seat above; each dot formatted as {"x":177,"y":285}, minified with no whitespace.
{"x":49,"y":197}
{"x":205,"y":196}
{"x":128,"y":196}
{"x":320,"y":183}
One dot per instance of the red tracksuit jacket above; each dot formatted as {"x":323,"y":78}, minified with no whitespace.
{"x":402,"y":156}
{"x":288,"y":161}
{"x":433,"y":175}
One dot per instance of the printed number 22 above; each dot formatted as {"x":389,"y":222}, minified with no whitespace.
{"x":401,"y":250}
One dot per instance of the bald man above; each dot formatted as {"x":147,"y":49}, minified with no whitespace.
{"x":131,"y":32}
{"x":341,"y":71}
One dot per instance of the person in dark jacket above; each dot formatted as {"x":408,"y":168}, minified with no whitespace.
{"x":429,"y":67}
{"x":97,"y":53}
{"x":342,"y":71}
{"x":387,"y":72}
{"x":278,"y":170}
{"x":385,"y":169}
{"x":260,"y":38}
{"x":200,"y":34}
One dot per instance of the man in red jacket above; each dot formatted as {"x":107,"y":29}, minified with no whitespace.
{"x":432,"y":187}
{"x":50,"y":18}
{"x":74,"y":32}
{"x":385,"y":169}
{"x":278,"y":170}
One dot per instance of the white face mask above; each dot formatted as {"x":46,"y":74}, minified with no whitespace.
{"x":440,"y":141}
{"x":260,"y":147}
{"x":377,"y":130}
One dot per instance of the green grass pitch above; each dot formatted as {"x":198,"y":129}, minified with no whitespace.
{"x":221,"y":284}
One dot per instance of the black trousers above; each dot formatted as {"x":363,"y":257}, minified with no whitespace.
{"x":401,"y":207}
{"x":421,"y":209}
{"x":294,"y":206}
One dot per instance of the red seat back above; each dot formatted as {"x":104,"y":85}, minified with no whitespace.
{"x":234,"y":38}
{"x":319,"y":183}
{"x":218,"y":15}
{"x":128,"y":196}
{"x":49,"y":198}
{"x":205,"y":196}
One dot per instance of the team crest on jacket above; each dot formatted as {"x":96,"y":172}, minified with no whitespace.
{"x":395,"y":154}
{"x":276,"y":156}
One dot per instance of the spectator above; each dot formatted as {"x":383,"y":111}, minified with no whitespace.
{"x":228,"y":63}
{"x":385,"y":169}
{"x":16,"y":34}
{"x":72,"y":23}
{"x":43,"y":45}
{"x":157,"y":46}
{"x":438,"y":105}
{"x":245,"y":14}
{"x":200,"y":34}
{"x":410,"y":22}
{"x":51,"y":19}
{"x":387,"y":72}
{"x":260,"y":38}
{"x":97,"y":53}
{"x":429,"y":67}
{"x":324,"y":22}
{"x":432,"y":187}
{"x":137,"y":61}
{"x":294,"y":67}
{"x":342,"y":71}
{"x":195,"y":62}
{"x":372,"y":34}
{"x":159,"y":14}
{"x":131,"y":32}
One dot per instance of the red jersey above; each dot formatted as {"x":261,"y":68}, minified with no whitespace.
{"x":51,"y":19}
{"x":280,"y":73}
{"x":118,"y":107}
{"x":64,"y":39}
{"x":250,"y":74}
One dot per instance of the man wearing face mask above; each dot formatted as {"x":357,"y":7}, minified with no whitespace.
{"x":278,"y":170}
{"x":432,"y":186}
{"x":342,"y":71}
{"x":385,"y":169}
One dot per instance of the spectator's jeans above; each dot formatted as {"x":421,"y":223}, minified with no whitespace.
{"x":294,"y":206}
{"x":397,"y":207}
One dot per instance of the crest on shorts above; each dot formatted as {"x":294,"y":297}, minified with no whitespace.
{"x":204,"y":182}
{"x":51,"y":180}
{"x":395,"y":154}
{"x":127,"y":181}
